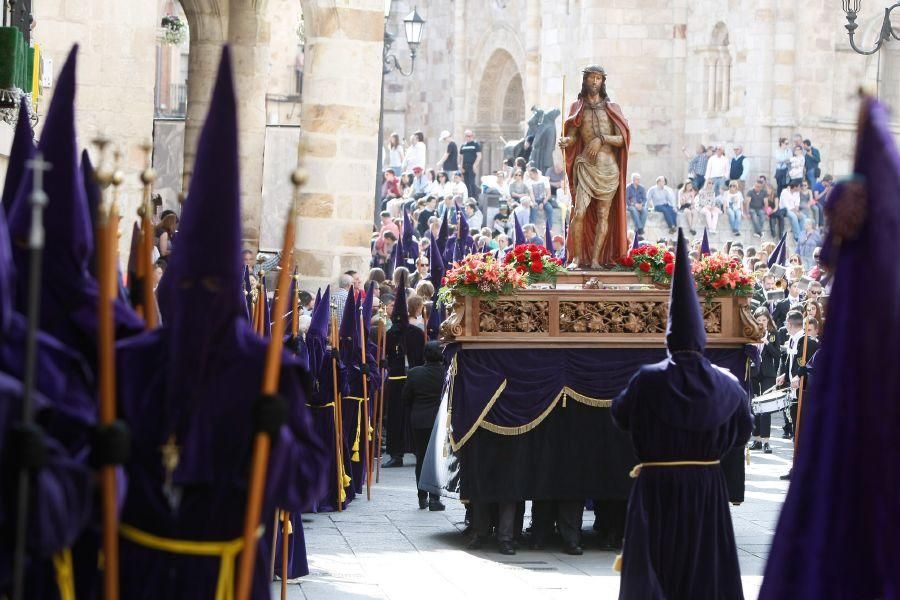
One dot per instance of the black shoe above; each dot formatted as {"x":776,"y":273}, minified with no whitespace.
{"x":573,"y":550}
{"x":787,"y":435}
{"x":423,"y":503}
{"x":786,"y":476}
{"x":436,"y":506}
{"x":737,"y":234}
{"x":392,"y":462}
{"x":756,"y":445}
{"x":693,"y":232}
{"x":476,"y":542}
{"x":767,"y":449}
{"x":506,"y":549}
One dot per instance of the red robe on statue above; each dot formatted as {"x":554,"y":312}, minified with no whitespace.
{"x":616,"y":244}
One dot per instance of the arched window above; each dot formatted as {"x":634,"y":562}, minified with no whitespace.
{"x":717,"y":72}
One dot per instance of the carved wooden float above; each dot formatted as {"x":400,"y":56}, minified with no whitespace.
{"x":572,"y":316}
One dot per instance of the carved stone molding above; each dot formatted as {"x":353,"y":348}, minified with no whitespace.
{"x":514,"y":316}
{"x":752,"y":329}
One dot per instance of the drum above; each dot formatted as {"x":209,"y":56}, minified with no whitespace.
{"x":770,"y":402}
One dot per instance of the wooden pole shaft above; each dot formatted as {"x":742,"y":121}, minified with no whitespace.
{"x":800,"y":390}
{"x":365,"y":406}
{"x":106,"y":273}
{"x":285,"y":521}
{"x":261,"y":442}
{"x":379,"y":419}
{"x":338,"y":434}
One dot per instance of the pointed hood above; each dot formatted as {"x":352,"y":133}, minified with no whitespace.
{"x":548,"y":237}
{"x":20,"y":153}
{"x":636,"y":242}
{"x":846,"y":464}
{"x":317,"y":334}
{"x":349,"y":331}
{"x":704,"y":244}
{"x":69,"y":295}
{"x":202,"y":285}
{"x":67,"y":222}
{"x":685,"y":329}
{"x":520,"y":235}
{"x":7,"y":275}
{"x":444,"y":232}
{"x":367,"y":306}
{"x":94,"y":198}
{"x":775,"y":257}
{"x":436,"y":267}
{"x":266,"y":311}
{"x":408,"y":229}
{"x":400,"y":314}
{"x":462,"y":224}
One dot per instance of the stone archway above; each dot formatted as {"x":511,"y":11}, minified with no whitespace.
{"x":500,"y":107}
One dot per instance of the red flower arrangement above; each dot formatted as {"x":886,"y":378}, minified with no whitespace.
{"x":718,"y":275}
{"x":480,"y":275}
{"x":535,"y":262}
{"x":653,"y":261}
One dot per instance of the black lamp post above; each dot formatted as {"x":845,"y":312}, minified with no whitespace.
{"x":413,"y":25}
{"x":851,"y":7}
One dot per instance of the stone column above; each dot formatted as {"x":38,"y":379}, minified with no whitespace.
{"x":338,"y":144}
{"x":208,"y":23}
{"x":533,"y":53}
{"x":248,"y":36}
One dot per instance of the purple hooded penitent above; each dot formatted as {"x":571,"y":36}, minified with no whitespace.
{"x":704,"y":244}
{"x":778,"y":254}
{"x":548,"y":237}
{"x":679,"y":539}
{"x":436,"y":267}
{"x":195,"y":381}
{"x":410,"y":247}
{"x":520,"y":234}
{"x":443,"y":232}
{"x":433,"y":327}
{"x":839,"y":534}
{"x":636,"y":242}
{"x":20,"y":153}
{"x":69,"y":295}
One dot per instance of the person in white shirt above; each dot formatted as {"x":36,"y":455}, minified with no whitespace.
{"x":473,"y":216}
{"x":415,"y":154}
{"x":734,"y":207}
{"x":790,"y":202}
{"x":798,"y":164}
{"x":717,"y":169}
{"x":458,"y":186}
{"x":540,"y":191}
{"x":394,"y":154}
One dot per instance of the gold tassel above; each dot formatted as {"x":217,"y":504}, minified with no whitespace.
{"x":617,"y":564}
{"x":343,"y":496}
{"x":346,"y":480}
{"x":747,"y":453}
{"x":355,"y":456}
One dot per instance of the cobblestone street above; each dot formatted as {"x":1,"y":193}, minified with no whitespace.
{"x":387,"y":548}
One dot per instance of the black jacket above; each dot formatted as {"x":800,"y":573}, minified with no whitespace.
{"x":811,"y":348}
{"x":422,"y":393}
{"x":771,"y":358}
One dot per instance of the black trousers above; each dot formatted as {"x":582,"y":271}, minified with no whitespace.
{"x":471,"y":185}
{"x":565,"y":514}
{"x":609,"y":518}
{"x":420,"y":444}
{"x":762,"y":424}
{"x":508,"y":519}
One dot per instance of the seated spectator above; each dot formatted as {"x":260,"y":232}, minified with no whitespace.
{"x":636,"y":203}
{"x":427,"y":212}
{"x":473,"y":215}
{"x":559,"y":247}
{"x":500,"y":222}
{"x":531,"y":236}
{"x":790,"y":204}
{"x":556,"y":176}
{"x":810,"y":239}
{"x":441,"y":185}
{"x":755,"y":205}
{"x":390,"y":188}
{"x":734,"y":207}
{"x":458,"y":186}
{"x":540,"y":193}
{"x":774,"y":213}
{"x":519,"y":190}
{"x":663,"y":199}
{"x":420,"y":183}
{"x":709,"y":206}
{"x":687,"y":206}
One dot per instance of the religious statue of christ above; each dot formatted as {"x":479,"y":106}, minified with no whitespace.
{"x":595,"y":139}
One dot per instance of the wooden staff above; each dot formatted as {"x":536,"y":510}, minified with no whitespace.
{"x":563,"y":131}
{"x":379,"y":419}
{"x":286,"y":516}
{"x":145,"y":257}
{"x":262,"y":443}
{"x":107,"y":231}
{"x":365,"y":404}
{"x":338,"y":421}
{"x":285,"y":532}
{"x":800,"y":389}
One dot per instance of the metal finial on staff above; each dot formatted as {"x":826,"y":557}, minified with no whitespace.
{"x":145,"y":261}
{"x":36,"y":250}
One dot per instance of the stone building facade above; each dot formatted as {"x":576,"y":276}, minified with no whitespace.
{"x":723,"y":72}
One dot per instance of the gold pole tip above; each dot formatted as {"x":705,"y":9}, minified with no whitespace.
{"x":148,"y":176}
{"x":117,"y":178}
{"x":299,"y":177}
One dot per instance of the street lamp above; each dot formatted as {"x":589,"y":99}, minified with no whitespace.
{"x":413,"y":25}
{"x":851,"y":7}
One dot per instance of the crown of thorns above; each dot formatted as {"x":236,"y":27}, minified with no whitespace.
{"x":594,"y":69}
